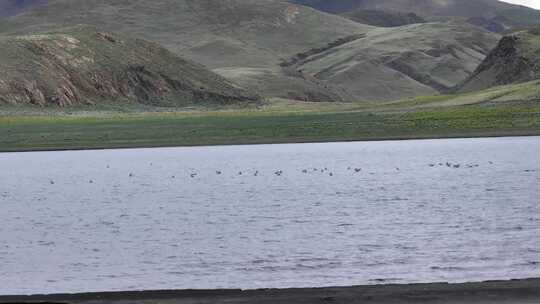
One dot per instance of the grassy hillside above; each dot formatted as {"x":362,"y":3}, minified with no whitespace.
{"x":81,"y":65}
{"x":383,"y":18}
{"x":515,"y":59}
{"x":395,"y":63}
{"x":507,"y":110}
{"x":247,"y":35}
{"x":492,"y":14}
{"x":247,"y":40}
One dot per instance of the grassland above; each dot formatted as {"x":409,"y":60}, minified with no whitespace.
{"x":509,"y":110}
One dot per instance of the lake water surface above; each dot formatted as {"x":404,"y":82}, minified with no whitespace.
{"x":226,"y":217}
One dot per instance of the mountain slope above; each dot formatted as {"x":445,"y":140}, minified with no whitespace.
{"x":516,"y":59}
{"x":247,"y":35}
{"x":383,"y":18}
{"x":261,"y":45}
{"x":493,"y":14}
{"x":13,"y":7}
{"x":218,"y":33}
{"x":81,"y":65}
{"x":394,"y":63}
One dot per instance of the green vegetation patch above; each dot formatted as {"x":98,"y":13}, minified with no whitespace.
{"x":254,"y":127}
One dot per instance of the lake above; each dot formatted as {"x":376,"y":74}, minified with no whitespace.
{"x":295,"y":215}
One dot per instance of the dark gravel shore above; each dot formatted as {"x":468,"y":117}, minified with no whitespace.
{"x":508,"y":292}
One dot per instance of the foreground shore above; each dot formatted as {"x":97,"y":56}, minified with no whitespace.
{"x":507,"y":292}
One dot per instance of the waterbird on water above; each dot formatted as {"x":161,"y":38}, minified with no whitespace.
{"x":193,"y":175}
{"x":218,"y":172}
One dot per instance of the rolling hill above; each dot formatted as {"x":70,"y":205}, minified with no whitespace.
{"x":82,"y":65}
{"x":395,"y":63}
{"x":516,"y":59}
{"x":383,"y":18}
{"x":244,"y":38}
{"x":492,"y":14}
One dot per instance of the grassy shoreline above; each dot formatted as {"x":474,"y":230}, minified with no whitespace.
{"x":502,"y":111}
{"x":145,"y":130}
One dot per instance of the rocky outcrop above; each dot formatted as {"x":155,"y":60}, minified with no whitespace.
{"x":515,"y":59}
{"x":82,"y":65}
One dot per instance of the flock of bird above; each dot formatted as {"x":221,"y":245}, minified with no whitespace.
{"x":321,"y":170}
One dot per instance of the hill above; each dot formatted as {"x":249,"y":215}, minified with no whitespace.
{"x":247,"y":41}
{"x":516,"y":59}
{"x":491,"y":14}
{"x":13,"y":7}
{"x":395,"y":63}
{"x":81,"y":65}
{"x":245,"y":38}
{"x":383,"y":18}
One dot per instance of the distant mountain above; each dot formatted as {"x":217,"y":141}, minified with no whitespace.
{"x":383,"y":18}
{"x":516,"y":59}
{"x":82,"y":65}
{"x":491,"y":14}
{"x":13,"y":7}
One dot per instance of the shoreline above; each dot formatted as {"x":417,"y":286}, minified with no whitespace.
{"x":270,"y":141}
{"x":150,"y":130}
{"x":512,"y":291}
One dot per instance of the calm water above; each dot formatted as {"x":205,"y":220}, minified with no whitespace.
{"x":164,"y":218}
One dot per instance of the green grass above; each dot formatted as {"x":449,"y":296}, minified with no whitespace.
{"x":253,"y":127}
{"x":500,"y":111}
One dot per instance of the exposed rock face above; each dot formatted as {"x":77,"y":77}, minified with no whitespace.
{"x":84,"y":66}
{"x":515,"y":59}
